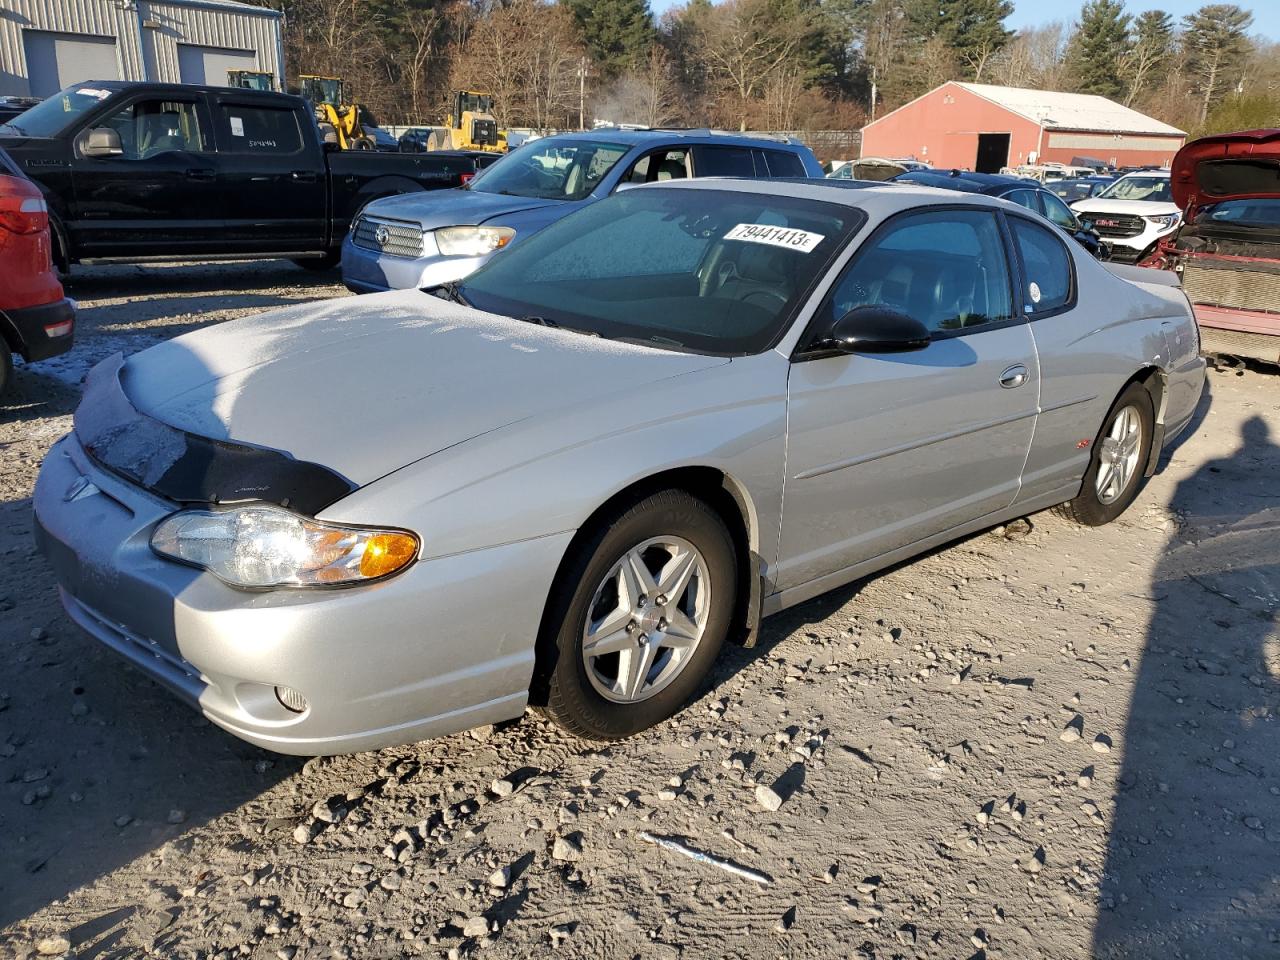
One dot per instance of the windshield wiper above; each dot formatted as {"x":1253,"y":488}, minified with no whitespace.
{"x":540,"y":321}
{"x":552,"y":324}
{"x":14,"y":127}
{"x":451,"y":291}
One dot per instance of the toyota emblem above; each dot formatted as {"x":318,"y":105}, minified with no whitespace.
{"x":382,"y":235}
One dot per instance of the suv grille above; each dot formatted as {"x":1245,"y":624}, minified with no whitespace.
{"x":1117,"y":224}
{"x":1227,"y":284}
{"x":392,"y":237}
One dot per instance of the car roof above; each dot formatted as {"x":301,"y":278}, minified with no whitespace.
{"x":1155,"y":172}
{"x":180,"y":88}
{"x":880,"y":199}
{"x":702,"y":135}
{"x":965,"y":180}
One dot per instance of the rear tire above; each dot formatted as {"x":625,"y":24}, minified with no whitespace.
{"x":1120,"y":455}
{"x":656,"y":649}
{"x":6,"y":366}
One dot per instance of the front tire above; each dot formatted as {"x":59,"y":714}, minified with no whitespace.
{"x":638,"y":616}
{"x":1120,"y":455}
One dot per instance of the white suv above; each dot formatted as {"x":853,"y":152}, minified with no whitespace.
{"x":1131,"y":214}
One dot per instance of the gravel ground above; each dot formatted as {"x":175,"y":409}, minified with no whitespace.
{"x":1043,"y":741}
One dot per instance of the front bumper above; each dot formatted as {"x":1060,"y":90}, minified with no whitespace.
{"x":368,"y":271}
{"x":423,"y":654}
{"x":44,"y":331}
{"x":1133,"y":249}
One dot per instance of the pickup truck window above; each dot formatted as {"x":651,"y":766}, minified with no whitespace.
{"x":149,"y":127}
{"x":262,"y":130}
{"x":59,"y":112}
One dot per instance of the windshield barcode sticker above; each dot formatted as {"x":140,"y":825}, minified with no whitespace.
{"x":788,"y":237}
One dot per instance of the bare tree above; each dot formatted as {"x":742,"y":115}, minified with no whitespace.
{"x":645,"y":94}
{"x":744,"y":44}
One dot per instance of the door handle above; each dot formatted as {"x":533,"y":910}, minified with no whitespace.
{"x":1015,"y":376}
{"x":304,"y":176}
{"x":204,"y":176}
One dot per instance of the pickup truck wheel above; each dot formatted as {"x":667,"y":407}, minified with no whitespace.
{"x":319,"y":264}
{"x":6,"y":365}
{"x":638,"y":616}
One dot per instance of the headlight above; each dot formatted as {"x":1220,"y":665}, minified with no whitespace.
{"x":1166,"y":221}
{"x":267,"y":546}
{"x":472,"y":241}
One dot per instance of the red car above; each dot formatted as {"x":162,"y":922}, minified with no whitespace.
{"x":1228,"y":248}
{"x":36,"y":320}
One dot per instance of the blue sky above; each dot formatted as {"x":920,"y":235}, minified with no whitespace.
{"x":1266,"y":13}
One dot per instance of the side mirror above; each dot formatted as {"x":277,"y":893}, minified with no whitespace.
{"x":102,"y":142}
{"x":876,"y":329}
{"x":1087,"y":225}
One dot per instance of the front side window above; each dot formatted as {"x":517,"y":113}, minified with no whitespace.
{"x":1046,"y":263}
{"x":551,"y":169}
{"x":1058,"y":212}
{"x":1139,"y":188}
{"x":151,"y":127}
{"x":946,"y":269}
{"x":709,"y":271}
{"x":271,"y":131}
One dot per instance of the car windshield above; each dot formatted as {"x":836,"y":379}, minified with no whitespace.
{"x":52,"y":116}
{"x":551,"y":169}
{"x":706,"y":271}
{"x":1251,"y":212}
{"x":1139,"y":188}
{"x":1072,"y":189}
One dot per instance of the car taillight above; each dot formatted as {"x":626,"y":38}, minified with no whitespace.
{"x":467,"y":178}
{"x":22,"y":207}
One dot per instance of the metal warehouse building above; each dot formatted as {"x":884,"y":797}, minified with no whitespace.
{"x":976,"y":126}
{"x":46,"y":45}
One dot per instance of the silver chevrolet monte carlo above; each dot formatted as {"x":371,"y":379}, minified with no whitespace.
{"x":567,"y":480}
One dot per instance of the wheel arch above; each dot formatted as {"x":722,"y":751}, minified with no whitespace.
{"x":718,"y":490}
{"x":1156,"y":382}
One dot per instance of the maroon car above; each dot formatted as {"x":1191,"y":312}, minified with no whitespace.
{"x":1228,"y":249}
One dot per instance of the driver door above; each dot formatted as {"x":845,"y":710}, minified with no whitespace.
{"x":154,"y":198}
{"x":887,"y":449}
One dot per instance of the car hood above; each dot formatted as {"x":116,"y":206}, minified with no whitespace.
{"x":1233,"y":166}
{"x":367,"y":385}
{"x":1142,"y":208}
{"x":445,"y":208}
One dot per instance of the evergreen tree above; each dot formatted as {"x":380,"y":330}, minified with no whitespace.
{"x":616,"y":33}
{"x":1217,"y":45}
{"x":1100,"y":48}
{"x":973,"y":30}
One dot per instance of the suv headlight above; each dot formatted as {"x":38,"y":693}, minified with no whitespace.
{"x":1165,"y":221}
{"x":261,"y":546}
{"x":472,"y":241}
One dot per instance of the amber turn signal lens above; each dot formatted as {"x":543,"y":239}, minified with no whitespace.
{"x":386,"y":553}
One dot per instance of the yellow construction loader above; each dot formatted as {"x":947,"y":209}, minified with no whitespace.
{"x":471,"y":125}
{"x":336,"y":110}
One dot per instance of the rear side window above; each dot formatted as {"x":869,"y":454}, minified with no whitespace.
{"x":723,"y":162}
{"x":783,"y":164}
{"x":1024,"y":198}
{"x":264,"y":130}
{"x":1046,"y":263}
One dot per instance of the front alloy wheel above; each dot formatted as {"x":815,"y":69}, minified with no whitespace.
{"x":638,"y":614}
{"x":1120,"y":453}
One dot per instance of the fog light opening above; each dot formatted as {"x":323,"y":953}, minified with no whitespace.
{"x":291,"y":699}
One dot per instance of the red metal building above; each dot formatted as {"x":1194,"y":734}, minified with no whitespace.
{"x":976,"y":126}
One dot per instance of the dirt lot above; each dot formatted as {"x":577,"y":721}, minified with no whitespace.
{"x":1054,"y":743}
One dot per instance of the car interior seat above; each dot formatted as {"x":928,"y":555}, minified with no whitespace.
{"x":671,"y":169}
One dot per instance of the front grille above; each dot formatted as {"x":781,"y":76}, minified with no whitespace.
{"x":1239,"y":343}
{"x":392,"y":237}
{"x":1117,"y":224}
{"x":1224,"y":283}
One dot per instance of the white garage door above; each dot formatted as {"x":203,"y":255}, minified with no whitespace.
{"x":209,"y":65}
{"x":57,"y":60}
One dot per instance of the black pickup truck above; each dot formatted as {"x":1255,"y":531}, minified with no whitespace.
{"x":151,"y":171}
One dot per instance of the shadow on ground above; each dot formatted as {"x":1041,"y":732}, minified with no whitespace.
{"x":1193,"y":863}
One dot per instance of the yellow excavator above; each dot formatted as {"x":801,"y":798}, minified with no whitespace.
{"x":336,"y":110}
{"x":470,"y":125}
{"x":251,"y":79}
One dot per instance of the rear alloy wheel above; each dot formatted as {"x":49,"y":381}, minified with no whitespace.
{"x":640,"y":615}
{"x":1120,"y":455}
